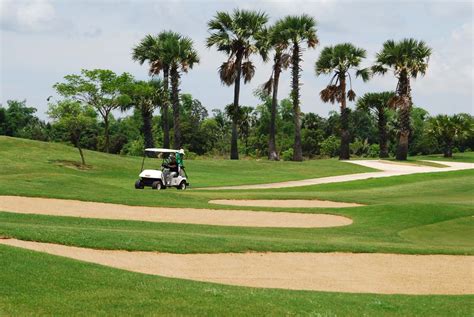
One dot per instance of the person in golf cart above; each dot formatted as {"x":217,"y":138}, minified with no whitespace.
{"x":170,"y":168}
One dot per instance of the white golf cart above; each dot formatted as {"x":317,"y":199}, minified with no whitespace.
{"x":167,"y":176}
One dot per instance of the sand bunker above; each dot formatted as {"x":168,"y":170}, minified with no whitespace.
{"x":284,"y":203}
{"x":334,"y":272}
{"x":240,"y":218}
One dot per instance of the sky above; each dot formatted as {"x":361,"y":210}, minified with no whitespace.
{"x":41,"y":41}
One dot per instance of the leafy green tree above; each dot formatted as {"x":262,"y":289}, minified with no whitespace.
{"x":194,"y":137}
{"x":75,"y":118}
{"x":407,"y":59}
{"x":339,"y":60}
{"x":295,"y":30}
{"x":145,"y":96}
{"x":99,"y":88}
{"x":16,"y":117}
{"x":377,"y":103}
{"x":237,"y":35}
{"x":451,"y":130}
{"x":312,"y":134}
{"x":3,"y":120}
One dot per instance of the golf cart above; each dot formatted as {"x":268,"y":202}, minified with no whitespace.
{"x":171,"y":174}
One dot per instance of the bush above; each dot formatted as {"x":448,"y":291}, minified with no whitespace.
{"x":359,"y":147}
{"x":188,"y":155}
{"x":374,"y":150}
{"x":287,"y":155}
{"x":134,"y":148}
{"x":330,"y":146}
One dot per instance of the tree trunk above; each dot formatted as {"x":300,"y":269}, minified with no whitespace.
{"x":404,"y":116}
{"x":147,"y":127}
{"x":295,"y":94}
{"x":382,"y":125}
{"x":82,"y":155}
{"x":448,"y":151}
{"x":164,"y":110}
{"x":175,"y":102}
{"x":75,"y":138}
{"x":345,"y":135}
{"x":272,"y":151}
{"x":106,"y":128}
{"x":234,"y":149}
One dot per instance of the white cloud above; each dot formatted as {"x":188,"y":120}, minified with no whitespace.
{"x":28,"y":15}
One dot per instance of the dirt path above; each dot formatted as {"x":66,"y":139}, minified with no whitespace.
{"x":240,"y":218}
{"x":386,"y":169}
{"x":334,"y":272}
{"x":286,"y":203}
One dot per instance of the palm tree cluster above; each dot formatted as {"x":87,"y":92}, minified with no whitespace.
{"x":241,"y":34}
{"x":170,"y":54}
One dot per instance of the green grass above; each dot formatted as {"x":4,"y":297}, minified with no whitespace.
{"x":414,"y":214}
{"x":32,"y":160}
{"x":457,"y":157}
{"x":40,"y":284}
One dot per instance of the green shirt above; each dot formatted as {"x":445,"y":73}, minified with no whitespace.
{"x":179,"y":159}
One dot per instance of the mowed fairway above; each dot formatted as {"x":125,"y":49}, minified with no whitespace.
{"x":412,"y":214}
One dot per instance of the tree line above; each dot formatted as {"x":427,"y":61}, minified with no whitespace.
{"x":275,"y":128}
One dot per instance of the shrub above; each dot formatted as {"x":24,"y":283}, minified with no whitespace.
{"x":287,"y":155}
{"x":359,"y":147}
{"x":330,"y":146}
{"x":134,"y":148}
{"x":374,"y":150}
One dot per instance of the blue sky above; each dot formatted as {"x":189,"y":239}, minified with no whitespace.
{"x":43,"y":40}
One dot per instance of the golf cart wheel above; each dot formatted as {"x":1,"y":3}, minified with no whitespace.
{"x":182,"y":186}
{"x":139,"y":184}
{"x":157,"y":185}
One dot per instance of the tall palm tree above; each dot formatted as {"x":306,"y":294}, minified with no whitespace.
{"x":150,"y":49}
{"x":281,"y":61}
{"x":339,"y":60}
{"x":237,"y":35}
{"x":296,"y":30}
{"x":183,"y":56}
{"x":378,"y":103}
{"x":407,"y":59}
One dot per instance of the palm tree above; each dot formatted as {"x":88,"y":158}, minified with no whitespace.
{"x":340,"y":60}
{"x":150,"y":49}
{"x":449,"y":130}
{"x":183,"y":57}
{"x":237,"y":35}
{"x":407,"y":59}
{"x":295,"y":30}
{"x":145,"y":97}
{"x":378,"y":103}
{"x":281,"y":61}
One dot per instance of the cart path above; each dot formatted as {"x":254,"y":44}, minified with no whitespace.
{"x":335,"y":272}
{"x":240,"y":218}
{"x":386,"y":169}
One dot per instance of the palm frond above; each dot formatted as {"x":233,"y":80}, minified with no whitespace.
{"x":267,"y":87}
{"x":351,"y":95}
{"x":228,"y":72}
{"x":248,"y":71}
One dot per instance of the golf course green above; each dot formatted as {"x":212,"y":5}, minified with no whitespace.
{"x":430,"y":213}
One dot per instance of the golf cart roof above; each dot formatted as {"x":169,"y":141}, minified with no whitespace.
{"x":156,"y":150}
